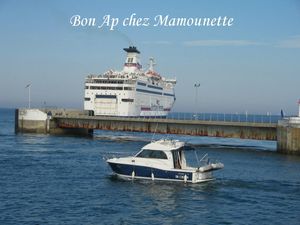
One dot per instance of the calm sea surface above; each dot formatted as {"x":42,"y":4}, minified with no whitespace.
{"x":64,"y":180}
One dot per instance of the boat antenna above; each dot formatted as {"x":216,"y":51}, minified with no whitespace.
{"x":204,"y":157}
{"x":196,"y":155}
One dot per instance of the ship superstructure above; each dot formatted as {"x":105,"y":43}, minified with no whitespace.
{"x":130,"y":92}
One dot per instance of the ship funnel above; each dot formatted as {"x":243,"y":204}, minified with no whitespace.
{"x":131,"y":49}
{"x":132,"y":63}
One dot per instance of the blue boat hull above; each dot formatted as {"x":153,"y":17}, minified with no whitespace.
{"x":149,"y":172}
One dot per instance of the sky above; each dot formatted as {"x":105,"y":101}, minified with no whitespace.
{"x":252,"y":66}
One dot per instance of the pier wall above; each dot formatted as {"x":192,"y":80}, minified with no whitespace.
{"x":41,"y":121}
{"x":74,"y":122}
{"x":30,"y":121}
{"x":259,"y":131}
{"x":288,"y":135}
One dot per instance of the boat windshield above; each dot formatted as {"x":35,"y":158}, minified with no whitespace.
{"x":154,"y":154}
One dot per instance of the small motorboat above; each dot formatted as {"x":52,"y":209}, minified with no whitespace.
{"x":163,"y":160}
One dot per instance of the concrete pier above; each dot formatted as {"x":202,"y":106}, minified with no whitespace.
{"x":31,"y":121}
{"x":288,"y":135}
{"x":41,"y":121}
{"x":74,"y":122}
{"x":259,"y":131}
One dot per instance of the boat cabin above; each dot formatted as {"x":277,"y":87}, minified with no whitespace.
{"x":167,"y":152}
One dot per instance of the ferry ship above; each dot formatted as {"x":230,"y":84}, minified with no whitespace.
{"x":131,"y":92}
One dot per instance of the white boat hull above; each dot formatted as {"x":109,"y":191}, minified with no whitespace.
{"x":149,"y":173}
{"x":125,"y":177}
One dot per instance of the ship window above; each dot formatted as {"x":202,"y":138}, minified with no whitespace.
{"x":87,"y":99}
{"x":106,"y":96}
{"x":128,"y":88}
{"x":151,"y":86}
{"x":106,"y":88}
{"x":154,"y":154}
{"x":140,"y":83}
{"x":166,"y":94}
{"x":86,"y":87}
{"x":127,"y":100}
{"x":146,"y":91}
{"x":130,"y":60}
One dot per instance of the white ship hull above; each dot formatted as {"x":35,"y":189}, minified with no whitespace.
{"x":113,"y":100}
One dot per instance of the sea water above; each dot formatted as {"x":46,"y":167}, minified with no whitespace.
{"x":48,"y":179}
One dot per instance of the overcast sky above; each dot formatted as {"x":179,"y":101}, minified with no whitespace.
{"x":252,"y":66}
